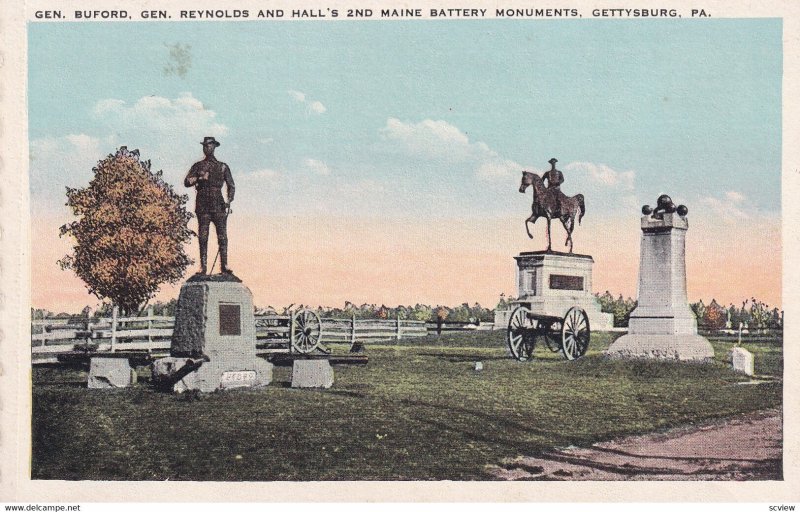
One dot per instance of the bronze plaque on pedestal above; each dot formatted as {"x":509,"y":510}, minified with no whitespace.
{"x":562,"y":282}
{"x":230,"y":320}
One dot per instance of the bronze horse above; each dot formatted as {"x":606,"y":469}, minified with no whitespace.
{"x":546,"y":204}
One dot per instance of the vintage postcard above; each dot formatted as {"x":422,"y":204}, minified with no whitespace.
{"x":439,"y":251}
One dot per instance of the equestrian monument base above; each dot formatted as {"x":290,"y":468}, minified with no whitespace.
{"x":550,"y":283}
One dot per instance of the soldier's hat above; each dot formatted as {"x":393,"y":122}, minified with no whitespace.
{"x":210,"y":140}
{"x":552,"y":161}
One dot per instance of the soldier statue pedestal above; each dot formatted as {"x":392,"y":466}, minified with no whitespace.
{"x":214,"y":341}
{"x":663,"y":325}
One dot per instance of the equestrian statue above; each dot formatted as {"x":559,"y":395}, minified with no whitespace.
{"x":549,"y":202}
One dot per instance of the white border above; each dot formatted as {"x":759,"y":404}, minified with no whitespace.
{"x":15,"y":373}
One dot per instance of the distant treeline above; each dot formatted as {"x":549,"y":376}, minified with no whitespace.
{"x":752,"y":314}
{"x":423,"y":312}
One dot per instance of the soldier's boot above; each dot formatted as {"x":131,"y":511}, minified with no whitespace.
{"x":223,"y":258}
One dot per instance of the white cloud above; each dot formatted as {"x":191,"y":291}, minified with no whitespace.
{"x":263,"y":174}
{"x":498,"y":169}
{"x":603,"y":175}
{"x":444,"y":142}
{"x":735,"y":197}
{"x":297,"y":95}
{"x":174,"y":119}
{"x":108,"y":105}
{"x":312,"y":106}
{"x":59,"y":162}
{"x":317,"y":166}
{"x":317,"y":107}
{"x":62,"y":157}
{"x":167,"y":131}
{"x":731,"y":205}
{"x":84,"y":143}
{"x":429,"y":138}
{"x":292,"y":176}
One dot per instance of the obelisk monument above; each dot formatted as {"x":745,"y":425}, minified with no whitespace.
{"x":663,"y":325}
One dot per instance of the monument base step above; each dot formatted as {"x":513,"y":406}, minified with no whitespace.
{"x":207,"y":376}
{"x":672,"y":347}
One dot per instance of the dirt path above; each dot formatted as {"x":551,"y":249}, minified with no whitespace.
{"x":747,"y":447}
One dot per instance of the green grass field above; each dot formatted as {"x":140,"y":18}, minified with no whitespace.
{"x":417,"y":411}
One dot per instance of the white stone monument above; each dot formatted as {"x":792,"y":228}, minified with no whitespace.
{"x":663,"y":325}
{"x":214,"y":341}
{"x":550,"y":283}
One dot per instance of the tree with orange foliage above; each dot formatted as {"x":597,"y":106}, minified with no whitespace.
{"x":130,"y":234}
{"x":715,"y":316}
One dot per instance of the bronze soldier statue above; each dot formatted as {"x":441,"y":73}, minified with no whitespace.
{"x":554,"y":179}
{"x":208,"y":176}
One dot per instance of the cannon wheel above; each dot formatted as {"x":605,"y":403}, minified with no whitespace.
{"x":575,"y":333}
{"x":306,"y":331}
{"x":520,"y":336}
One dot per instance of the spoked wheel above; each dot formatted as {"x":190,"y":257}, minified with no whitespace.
{"x":306,"y":331}
{"x":575,"y":333}
{"x":520,"y":337}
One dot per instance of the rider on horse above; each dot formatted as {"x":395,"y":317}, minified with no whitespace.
{"x":554,"y":180}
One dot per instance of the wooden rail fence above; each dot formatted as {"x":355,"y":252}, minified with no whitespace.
{"x":152,"y":333}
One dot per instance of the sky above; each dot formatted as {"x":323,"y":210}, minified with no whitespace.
{"x":380,"y":161}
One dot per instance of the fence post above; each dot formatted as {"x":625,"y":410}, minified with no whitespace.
{"x":114,"y":313}
{"x":149,"y":328}
{"x":353,"y":330}
{"x":291,"y":327}
{"x":397,"y":336}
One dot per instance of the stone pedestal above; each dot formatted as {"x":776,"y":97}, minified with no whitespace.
{"x":110,"y":372}
{"x":312,"y":373}
{"x":552,"y":282}
{"x":215,"y":326}
{"x":663,"y":325}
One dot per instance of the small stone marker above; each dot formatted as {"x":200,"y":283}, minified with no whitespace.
{"x":478,"y":366}
{"x":742,"y":360}
{"x":110,"y":372}
{"x":312,"y":373}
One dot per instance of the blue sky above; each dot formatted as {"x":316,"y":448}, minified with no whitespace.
{"x":411,"y":113}
{"x":413,"y":134}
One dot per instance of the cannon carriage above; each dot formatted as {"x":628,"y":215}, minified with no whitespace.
{"x":299,"y":332}
{"x":569,"y":335}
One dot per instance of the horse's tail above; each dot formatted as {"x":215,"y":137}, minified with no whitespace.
{"x":582,"y":207}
